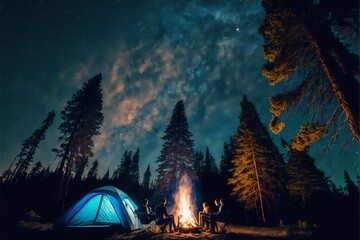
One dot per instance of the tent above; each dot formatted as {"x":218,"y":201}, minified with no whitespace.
{"x":103,"y":207}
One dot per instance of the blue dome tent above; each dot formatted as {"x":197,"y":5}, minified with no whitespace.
{"x":103,"y":207}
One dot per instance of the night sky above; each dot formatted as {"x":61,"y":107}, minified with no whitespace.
{"x":151,"y":54}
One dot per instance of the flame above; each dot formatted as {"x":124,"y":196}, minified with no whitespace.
{"x":184,"y":203}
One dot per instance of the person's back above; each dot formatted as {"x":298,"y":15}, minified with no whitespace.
{"x":160,"y":211}
{"x":142,"y":208}
{"x":163,"y":218}
{"x":223,"y":212}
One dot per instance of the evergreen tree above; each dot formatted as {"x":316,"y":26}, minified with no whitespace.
{"x":146,"y":179}
{"x":125,"y":166}
{"x":209,"y":166}
{"x":177,"y":152}
{"x":350,"y":187}
{"x":226,"y":158}
{"x":80,"y":167}
{"x":198,"y":162}
{"x":92,"y":174}
{"x":305,"y":178}
{"x":134,"y":170}
{"x":300,"y":42}
{"x":29,"y":146}
{"x":36,"y":170}
{"x":106,"y":175}
{"x":46,"y":172}
{"x":81,"y":120}
{"x":209,"y":179}
{"x":257,"y":177}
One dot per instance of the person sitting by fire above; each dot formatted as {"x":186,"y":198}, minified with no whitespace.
{"x":145,"y":208}
{"x":221,"y":215}
{"x":205,"y":212}
{"x":163,"y":218}
{"x":205,"y":220}
{"x":217,"y":205}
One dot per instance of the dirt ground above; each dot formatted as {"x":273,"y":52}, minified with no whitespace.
{"x":42,"y":231}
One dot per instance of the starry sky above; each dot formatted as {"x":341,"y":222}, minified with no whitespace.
{"x":151,"y":54}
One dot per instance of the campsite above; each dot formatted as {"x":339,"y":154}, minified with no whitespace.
{"x":179,"y":119}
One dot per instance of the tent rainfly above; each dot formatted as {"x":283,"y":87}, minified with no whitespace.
{"x":103,"y":207}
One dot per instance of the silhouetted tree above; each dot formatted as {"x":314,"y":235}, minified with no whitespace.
{"x":209,"y":163}
{"x":106,"y":175}
{"x":198,"y":162}
{"x":351,"y":189}
{"x":93,"y":171}
{"x":29,"y":146}
{"x":300,"y":42}
{"x":226,"y":158}
{"x":209,"y":178}
{"x":81,"y":120}
{"x":36,"y":170}
{"x":146,"y":179}
{"x":305,"y":178}
{"x":134,"y":170}
{"x":176,"y":156}
{"x":80,"y":167}
{"x":258,"y":170}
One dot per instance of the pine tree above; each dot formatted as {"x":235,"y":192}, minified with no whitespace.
{"x":134,"y":170}
{"x":106,"y":175}
{"x":81,"y":120}
{"x":226,"y":158}
{"x":300,"y":42}
{"x":350,"y":187}
{"x":125,"y":166}
{"x":258,"y":171}
{"x":45,"y":172}
{"x":29,"y":146}
{"x":305,"y":178}
{"x":80,"y":167}
{"x":92,"y":174}
{"x":177,"y":152}
{"x":36,"y":170}
{"x":146,"y":179}
{"x":209,"y":166}
{"x":198,"y":162}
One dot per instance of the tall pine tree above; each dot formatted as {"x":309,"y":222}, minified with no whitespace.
{"x":226,"y":159}
{"x":176,"y":156}
{"x":93,"y":171}
{"x":29,"y":146}
{"x":134,"y":170}
{"x":258,"y":173}
{"x":300,"y":41}
{"x":81,"y":120}
{"x":146,"y":179}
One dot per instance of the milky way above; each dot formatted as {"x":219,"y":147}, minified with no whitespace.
{"x":151,"y":54}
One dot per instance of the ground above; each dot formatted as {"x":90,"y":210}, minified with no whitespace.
{"x":42,"y":231}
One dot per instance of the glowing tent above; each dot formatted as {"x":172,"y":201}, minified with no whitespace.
{"x":103,"y":207}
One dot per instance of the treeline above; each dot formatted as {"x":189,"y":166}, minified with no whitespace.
{"x":260,"y":184}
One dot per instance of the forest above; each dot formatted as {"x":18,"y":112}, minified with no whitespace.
{"x":261,"y":186}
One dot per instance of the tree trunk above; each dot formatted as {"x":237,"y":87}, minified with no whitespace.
{"x":258,"y":183}
{"x":344,"y":84}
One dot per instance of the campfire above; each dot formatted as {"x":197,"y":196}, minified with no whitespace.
{"x":183,"y":207}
